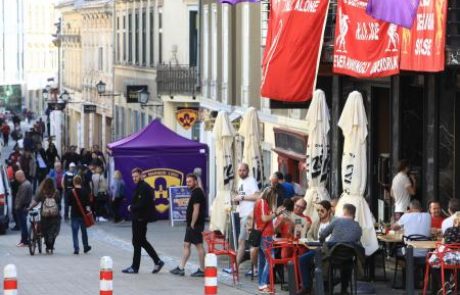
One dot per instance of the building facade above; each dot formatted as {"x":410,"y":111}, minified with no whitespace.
{"x":411,"y":115}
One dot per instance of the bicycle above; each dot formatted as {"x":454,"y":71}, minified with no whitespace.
{"x":35,"y":234}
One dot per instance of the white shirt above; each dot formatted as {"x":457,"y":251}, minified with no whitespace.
{"x":446,"y":223}
{"x":416,"y":223}
{"x":399,"y":187}
{"x":321,"y":227}
{"x":247,"y":187}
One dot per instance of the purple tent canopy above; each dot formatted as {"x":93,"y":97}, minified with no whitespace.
{"x":233,"y":2}
{"x":165,"y":157}
{"x":398,"y":12}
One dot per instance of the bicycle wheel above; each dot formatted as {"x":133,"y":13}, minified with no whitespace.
{"x":32,"y":241}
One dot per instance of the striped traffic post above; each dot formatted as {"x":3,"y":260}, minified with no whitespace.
{"x":10,"y":280}
{"x":210,"y":274}
{"x":106,"y":276}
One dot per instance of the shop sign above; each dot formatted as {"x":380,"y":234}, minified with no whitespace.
{"x":179,"y":197}
{"x":423,"y":46}
{"x":56,"y":106}
{"x":364,"y":47}
{"x":187,"y":117}
{"x":132,"y":92}
{"x":291,"y":56}
{"x":89,"y":108}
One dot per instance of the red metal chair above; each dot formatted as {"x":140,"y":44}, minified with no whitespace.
{"x":288,"y":246}
{"x":218,"y":245}
{"x":442,"y":252}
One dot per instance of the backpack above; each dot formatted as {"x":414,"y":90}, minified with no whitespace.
{"x":50,"y":208}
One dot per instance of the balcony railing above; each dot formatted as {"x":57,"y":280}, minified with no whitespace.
{"x":177,"y":80}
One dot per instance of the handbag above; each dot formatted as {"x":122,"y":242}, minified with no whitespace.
{"x":255,"y":236}
{"x":88,"y":217}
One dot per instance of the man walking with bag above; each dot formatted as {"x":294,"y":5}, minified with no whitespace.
{"x":142,"y":211}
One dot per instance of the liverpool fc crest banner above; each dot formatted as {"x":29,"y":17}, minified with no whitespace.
{"x":293,"y":48}
{"x":423,"y":47}
{"x":364,"y":47}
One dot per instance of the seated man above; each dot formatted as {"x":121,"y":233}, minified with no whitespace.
{"x":341,"y":230}
{"x":453,"y":206}
{"x":415,"y":222}
{"x":436,"y":216}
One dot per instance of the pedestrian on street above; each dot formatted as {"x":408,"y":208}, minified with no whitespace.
{"x":142,"y":210}
{"x":28,"y":165}
{"x":67,"y":184}
{"x":42,"y":166}
{"x":50,"y":221}
{"x":56,"y":175}
{"x":79,"y":194}
{"x":6,"y":133}
{"x":22,"y":202}
{"x":100,"y":194}
{"x":117,"y":188}
{"x":195,"y":217}
{"x":51,"y":155}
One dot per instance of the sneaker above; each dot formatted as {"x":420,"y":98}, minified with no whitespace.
{"x":102,"y":219}
{"x":178,"y":272}
{"x":265,"y":290}
{"x":129,"y":270}
{"x":21,"y":244}
{"x":76,"y":252}
{"x":198,"y":274}
{"x":249,"y":273}
{"x":227,"y":270}
{"x":87,"y":249}
{"x":158,"y":267}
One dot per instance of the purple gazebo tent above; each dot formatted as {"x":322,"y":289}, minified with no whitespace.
{"x":165,"y":157}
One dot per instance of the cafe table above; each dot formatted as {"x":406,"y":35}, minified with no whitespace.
{"x":411,"y":245}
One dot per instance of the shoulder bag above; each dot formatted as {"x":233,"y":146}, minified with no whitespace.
{"x":88,"y":217}
{"x":255,"y":236}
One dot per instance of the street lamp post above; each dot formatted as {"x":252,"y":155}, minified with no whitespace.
{"x":100,"y":87}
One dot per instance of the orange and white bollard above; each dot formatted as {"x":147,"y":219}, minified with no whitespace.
{"x":210,"y":274}
{"x":106,"y":276}
{"x":10,"y":280}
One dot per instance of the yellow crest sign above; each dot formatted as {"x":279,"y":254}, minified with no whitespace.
{"x":161,"y":179}
{"x":187,"y":117}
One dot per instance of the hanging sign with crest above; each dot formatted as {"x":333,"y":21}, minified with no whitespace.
{"x":187,"y":117}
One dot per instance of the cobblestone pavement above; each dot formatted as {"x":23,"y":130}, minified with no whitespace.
{"x":66,"y":273}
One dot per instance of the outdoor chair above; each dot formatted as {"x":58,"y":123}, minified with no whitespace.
{"x":400,"y":257}
{"x":218,"y":245}
{"x":343,"y":257}
{"x":272,"y":261}
{"x":445,"y":257}
{"x":370,"y":262}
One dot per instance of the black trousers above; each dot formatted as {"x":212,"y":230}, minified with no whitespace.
{"x":116,"y":204}
{"x":139,"y":242}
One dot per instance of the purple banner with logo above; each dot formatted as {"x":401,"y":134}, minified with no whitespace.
{"x":399,"y":12}
{"x":165,"y":157}
{"x":233,"y":2}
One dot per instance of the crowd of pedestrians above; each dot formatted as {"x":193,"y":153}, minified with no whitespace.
{"x":57,"y":183}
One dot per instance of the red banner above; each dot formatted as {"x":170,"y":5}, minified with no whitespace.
{"x":423,"y":46}
{"x":364,"y":47}
{"x":293,"y":49}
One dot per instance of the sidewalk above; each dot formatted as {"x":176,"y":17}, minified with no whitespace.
{"x":66,"y":273}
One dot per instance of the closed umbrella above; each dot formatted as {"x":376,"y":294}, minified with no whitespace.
{"x":223,"y":133}
{"x":252,"y":155}
{"x":317,"y":152}
{"x":353,"y":123}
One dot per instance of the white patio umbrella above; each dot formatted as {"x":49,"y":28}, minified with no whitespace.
{"x":224,"y":133}
{"x":353,"y":123}
{"x":249,"y":129}
{"x":317,"y":152}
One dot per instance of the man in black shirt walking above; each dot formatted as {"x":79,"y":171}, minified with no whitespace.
{"x":196,"y":213}
{"x":142,"y":211}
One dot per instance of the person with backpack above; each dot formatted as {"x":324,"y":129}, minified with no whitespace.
{"x":67,"y":184}
{"x":49,"y":212}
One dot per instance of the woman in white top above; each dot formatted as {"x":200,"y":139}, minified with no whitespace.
{"x":100,"y":194}
{"x":402,"y":187}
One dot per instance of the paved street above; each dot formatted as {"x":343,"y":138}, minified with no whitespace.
{"x":66,"y":273}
